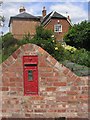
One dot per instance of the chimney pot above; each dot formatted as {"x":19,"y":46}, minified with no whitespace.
{"x":22,"y":9}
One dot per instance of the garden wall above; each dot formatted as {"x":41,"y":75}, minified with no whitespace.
{"x":60,"y":92}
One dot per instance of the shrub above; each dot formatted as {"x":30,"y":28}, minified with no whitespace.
{"x":9,"y":45}
{"x":78,"y":35}
{"x":26,"y":39}
{"x":8,"y":40}
{"x":81,"y":57}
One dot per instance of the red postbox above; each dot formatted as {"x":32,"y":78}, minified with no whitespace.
{"x":30,"y":72}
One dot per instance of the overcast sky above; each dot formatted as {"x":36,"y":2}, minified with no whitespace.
{"x":78,"y":11}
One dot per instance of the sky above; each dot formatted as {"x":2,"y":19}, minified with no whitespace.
{"x":78,"y":11}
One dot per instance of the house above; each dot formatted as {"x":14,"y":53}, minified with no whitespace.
{"x":25,"y":23}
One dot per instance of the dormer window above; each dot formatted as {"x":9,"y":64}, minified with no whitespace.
{"x":58,"y":28}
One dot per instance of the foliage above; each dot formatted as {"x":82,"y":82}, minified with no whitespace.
{"x":8,"y":40}
{"x":9,"y":45}
{"x":26,"y":39}
{"x":79,"y":35}
{"x":69,"y":48}
{"x":44,"y":39}
{"x":81,"y":57}
{"x":79,"y":70}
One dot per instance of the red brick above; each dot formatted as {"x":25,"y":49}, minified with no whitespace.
{"x":51,"y":60}
{"x":6,"y":83}
{"x":19,"y":84}
{"x":51,"y":79}
{"x":14,"y":55}
{"x":72,"y":92}
{"x":70,"y":74}
{"x":46,"y":74}
{"x":45,"y":69}
{"x":78,"y":79}
{"x":28,"y":110}
{"x":51,"y":89}
{"x":62,"y":110}
{"x":40,"y":110}
{"x":4,"y":65}
{"x":52,"y":110}
{"x":85,"y":88}
{"x":42,"y":62}
{"x":5,"y":88}
{"x":62,"y":98}
{"x":73,"y":77}
{"x":11,"y":59}
{"x":12,"y":84}
{"x":66,"y":71}
{"x":60,"y":84}
{"x":7,"y":62}
{"x":28,"y":115}
{"x":12,"y":79}
{"x":37,"y":98}
{"x":84,"y":97}
{"x":41,"y":50}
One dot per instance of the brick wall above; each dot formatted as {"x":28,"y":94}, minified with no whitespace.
{"x":65,"y":26}
{"x":61,"y":93}
{"x":22,"y":27}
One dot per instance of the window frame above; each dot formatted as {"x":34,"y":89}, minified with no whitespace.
{"x":59,"y":29}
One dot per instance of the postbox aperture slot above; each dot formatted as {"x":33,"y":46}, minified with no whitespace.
{"x":30,"y":75}
{"x":30,"y":65}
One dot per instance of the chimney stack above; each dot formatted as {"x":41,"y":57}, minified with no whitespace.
{"x":22,"y":9}
{"x":44,"y":11}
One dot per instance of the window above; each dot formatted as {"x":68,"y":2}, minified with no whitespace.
{"x":58,"y":28}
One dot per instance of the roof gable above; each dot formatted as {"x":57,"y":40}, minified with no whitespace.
{"x":57,"y":15}
{"x":52,"y":15}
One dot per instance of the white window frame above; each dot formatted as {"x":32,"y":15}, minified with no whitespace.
{"x":57,"y":28}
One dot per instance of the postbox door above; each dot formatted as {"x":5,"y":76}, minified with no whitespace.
{"x":31,"y":80}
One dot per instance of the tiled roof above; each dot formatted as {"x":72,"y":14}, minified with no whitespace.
{"x":24,"y":15}
{"x":52,"y":15}
{"x":44,"y":20}
{"x":57,"y":15}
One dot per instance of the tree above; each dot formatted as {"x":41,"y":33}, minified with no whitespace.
{"x":44,"y":39}
{"x":79,"y":35}
{"x":9,"y":44}
{"x":2,"y":18}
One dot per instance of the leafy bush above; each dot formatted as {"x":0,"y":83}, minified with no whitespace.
{"x":9,"y":45}
{"x":79,"y":35}
{"x":81,"y":57}
{"x":79,"y":70}
{"x":44,"y":39}
{"x":8,"y":40}
{"x":26,"y":39}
